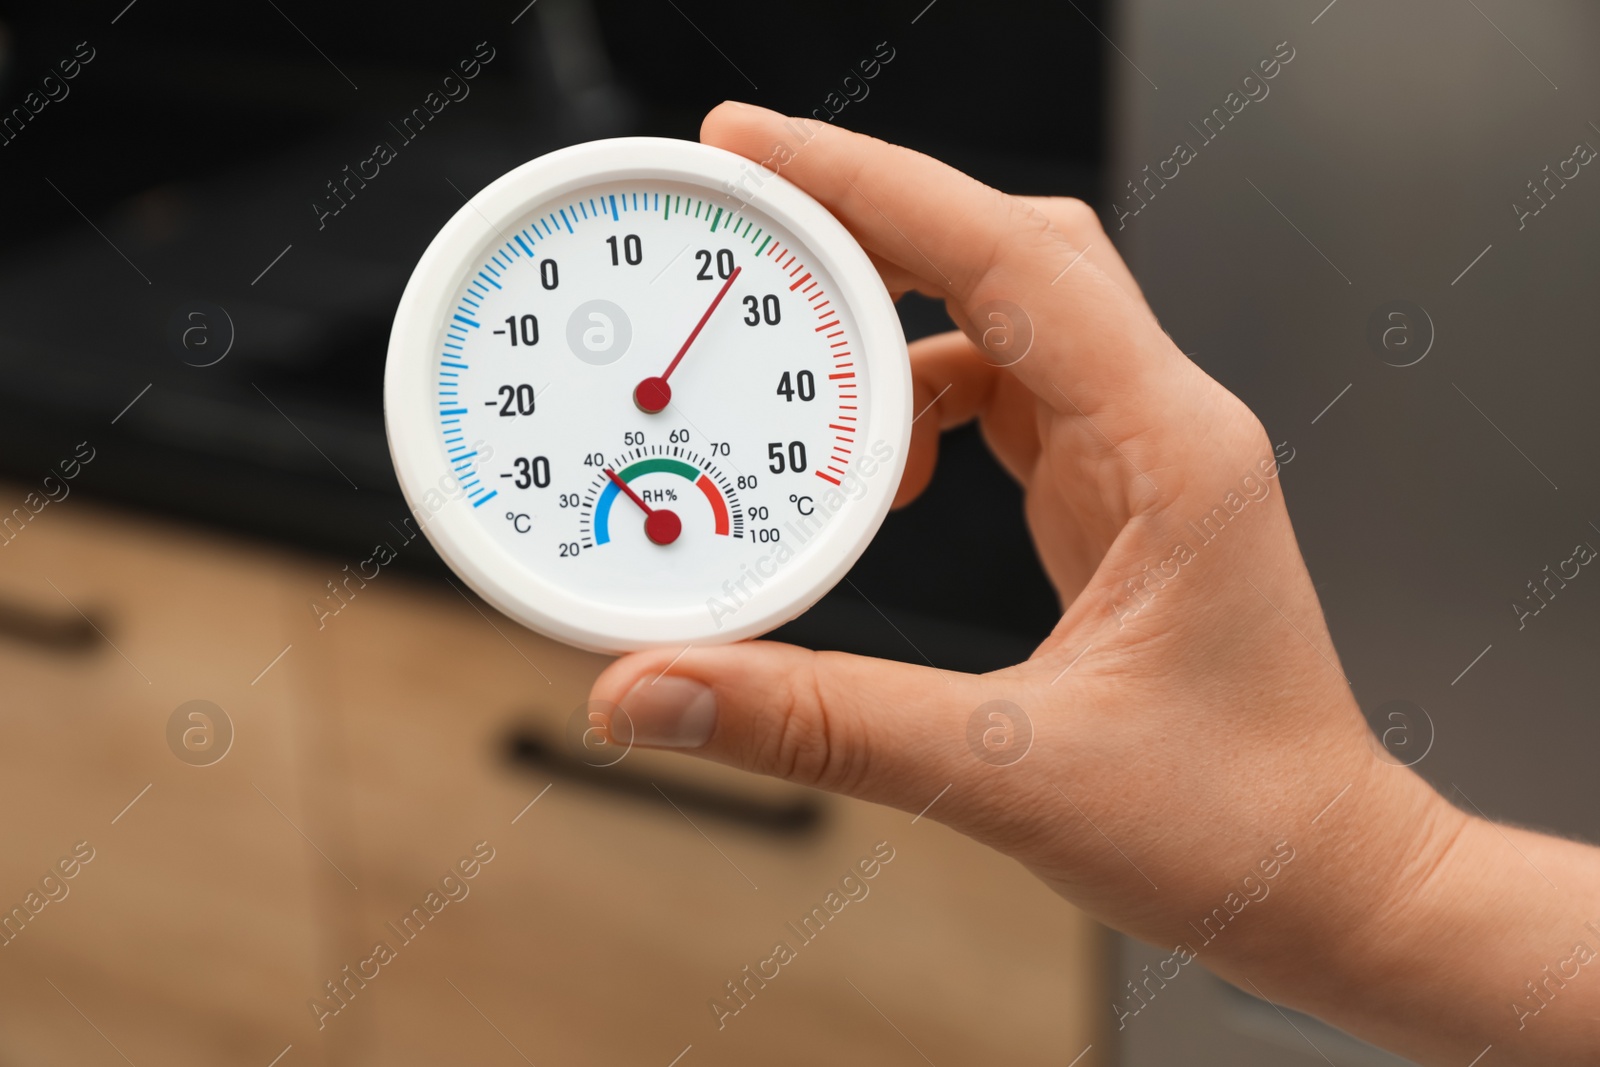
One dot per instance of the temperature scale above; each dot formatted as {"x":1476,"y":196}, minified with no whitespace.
{"x":642,"y":392}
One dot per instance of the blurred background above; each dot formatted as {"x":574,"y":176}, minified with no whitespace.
{"x":1342,"y":250}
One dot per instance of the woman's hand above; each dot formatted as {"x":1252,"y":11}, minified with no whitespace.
{"x":1200,"y":775}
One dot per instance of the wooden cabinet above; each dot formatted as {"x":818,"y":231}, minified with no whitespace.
{"x":373,"y":753}
{"x":192,"y":934}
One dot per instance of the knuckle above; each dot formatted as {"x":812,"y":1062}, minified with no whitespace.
{"x":1077,"y":220}
{"x":1249,"y":431}
{"x":1242,"y":438}
{"x":1042,"y":231}
{"x":1018,"y":234}
{"x":1024,"y":221}
{"x":813,"y":745}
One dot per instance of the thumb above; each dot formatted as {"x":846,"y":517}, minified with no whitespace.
{"x":874,"y":729}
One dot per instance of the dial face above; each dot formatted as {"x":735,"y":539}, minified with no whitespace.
{"x":653,"y":410}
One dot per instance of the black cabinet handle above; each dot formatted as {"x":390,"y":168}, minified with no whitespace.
{"x":59,"y":632}
{"x":792,"y":818}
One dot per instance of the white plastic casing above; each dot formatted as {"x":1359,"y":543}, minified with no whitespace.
{"x":513,"y":585}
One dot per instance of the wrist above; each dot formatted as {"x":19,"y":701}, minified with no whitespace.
{"x":1438,"y":934}
{"x":1490,"y":946}
{"x":1422,"y":850}
{"x":1364,"y":913}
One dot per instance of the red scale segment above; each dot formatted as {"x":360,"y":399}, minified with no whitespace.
{"x":825,"y":311}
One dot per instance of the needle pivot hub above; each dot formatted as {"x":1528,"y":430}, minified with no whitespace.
{"x":662,"y":527}
{"x":652,"y":395}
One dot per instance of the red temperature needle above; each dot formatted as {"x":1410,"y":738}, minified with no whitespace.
{"x":654,"y":394}
{"x":660,"y":525}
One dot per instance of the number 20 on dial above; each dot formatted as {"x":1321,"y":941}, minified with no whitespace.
{"x":642,"y":392}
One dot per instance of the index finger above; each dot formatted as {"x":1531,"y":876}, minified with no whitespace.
{"x":976,"y":246}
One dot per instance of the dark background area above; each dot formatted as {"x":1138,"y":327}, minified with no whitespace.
{"x":197,"y":140}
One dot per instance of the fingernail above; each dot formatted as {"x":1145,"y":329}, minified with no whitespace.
{"x":671,"y":712}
